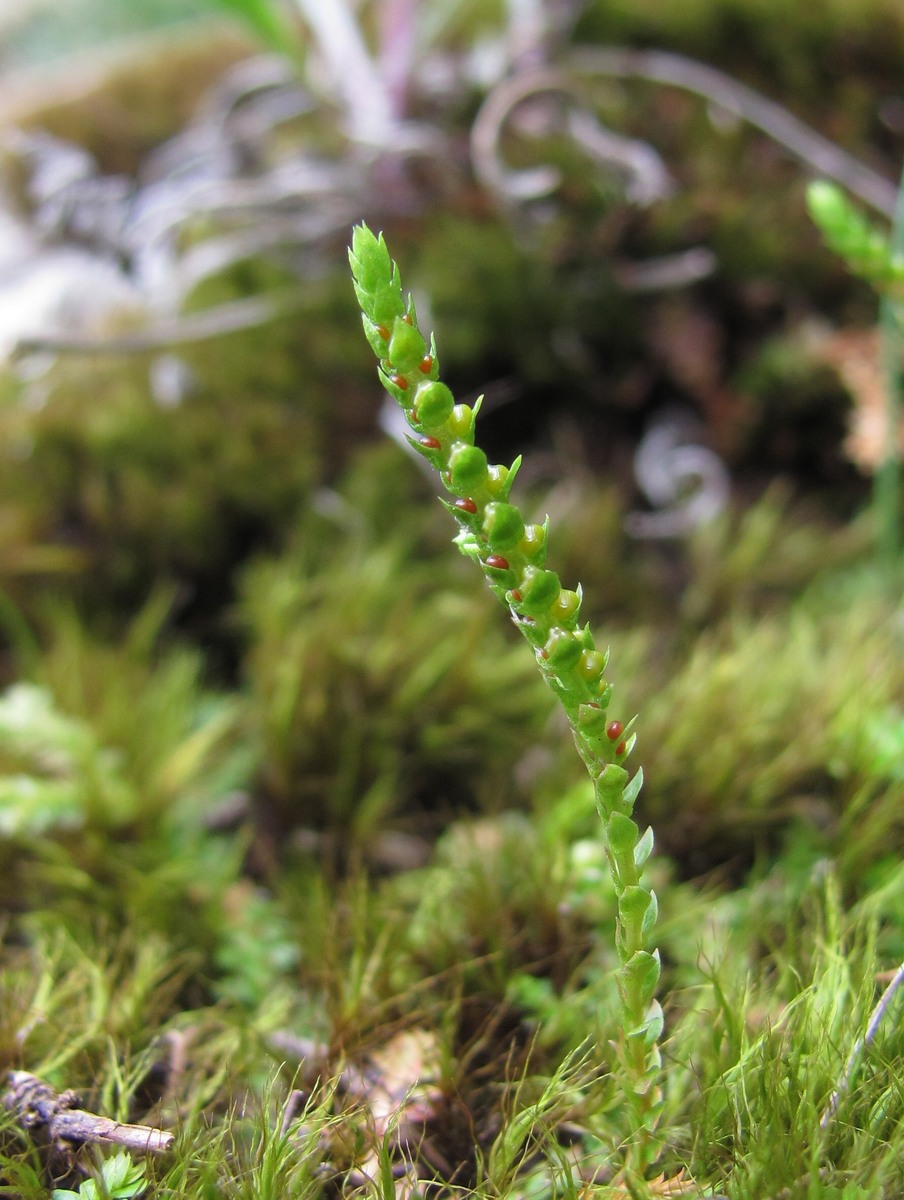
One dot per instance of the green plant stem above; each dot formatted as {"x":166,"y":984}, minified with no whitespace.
{"x":888,"y":476}
{"x":887,"y":489}
{"x":512,"y":556}
{"x":879,"y":259}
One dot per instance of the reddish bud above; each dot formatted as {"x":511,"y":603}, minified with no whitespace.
{"x":431,"y":443}
{"x":621,"y":748}
{"x":516,"y":597}
{"x":426,"y":364}
{"x":614,"y":730}
{"x":400,"y":381}
{"x":383,"y":332}
{"x":497,"y":562}
{"x":465,"y":505}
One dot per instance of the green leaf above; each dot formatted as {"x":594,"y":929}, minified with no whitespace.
{"x":866,"y":250}
{"x":632,"y":789}
{"x":622,"y":833}
{"x":644,"y":847}
{"x":610,"y":787}
{"x":592,"y":720}
{"x":433,"y":404}
{"x":538,"y":590}
{"x":827,"y":204}
{"x":502,"y":525}
{"x":637,"y":909}
{"x":641,"y":974}
{"x":468,"y":468}
{"x":369,"y":259}
{"x":407,"y":346}
{"x":122,"y":1177}
{"x":650,"y":917}
{"x":510,"y":478}
{"x":653,"y":1023}
{"x":563,"y":650}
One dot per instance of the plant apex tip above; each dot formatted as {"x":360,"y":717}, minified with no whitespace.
{"x":369,"y":257}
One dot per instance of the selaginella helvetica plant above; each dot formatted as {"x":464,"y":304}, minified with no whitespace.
{"x":512,"y":555}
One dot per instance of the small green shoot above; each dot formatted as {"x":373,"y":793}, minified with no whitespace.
{"x":120,"y":1178}
{"x":512,"y":555}
{"x":877,"y":258}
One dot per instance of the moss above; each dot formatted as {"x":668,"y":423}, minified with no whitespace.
{"x":764,"y":725}
{"x":366,"y":712}
{"x":137,"y":101}
{"x":135,"y":492}
{"x":218,"y":894}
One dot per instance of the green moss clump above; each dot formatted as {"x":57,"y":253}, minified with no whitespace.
{"x":779,"y":716}
{"x":365,"y":714}
{"x":797,"y":415}
{"x":132,"y":492}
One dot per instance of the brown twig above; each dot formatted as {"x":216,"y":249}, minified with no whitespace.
{"x":50,"y":1117}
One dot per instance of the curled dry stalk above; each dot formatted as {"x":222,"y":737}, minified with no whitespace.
{"x":853,"y":1060}
{"x":512,"y":556}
